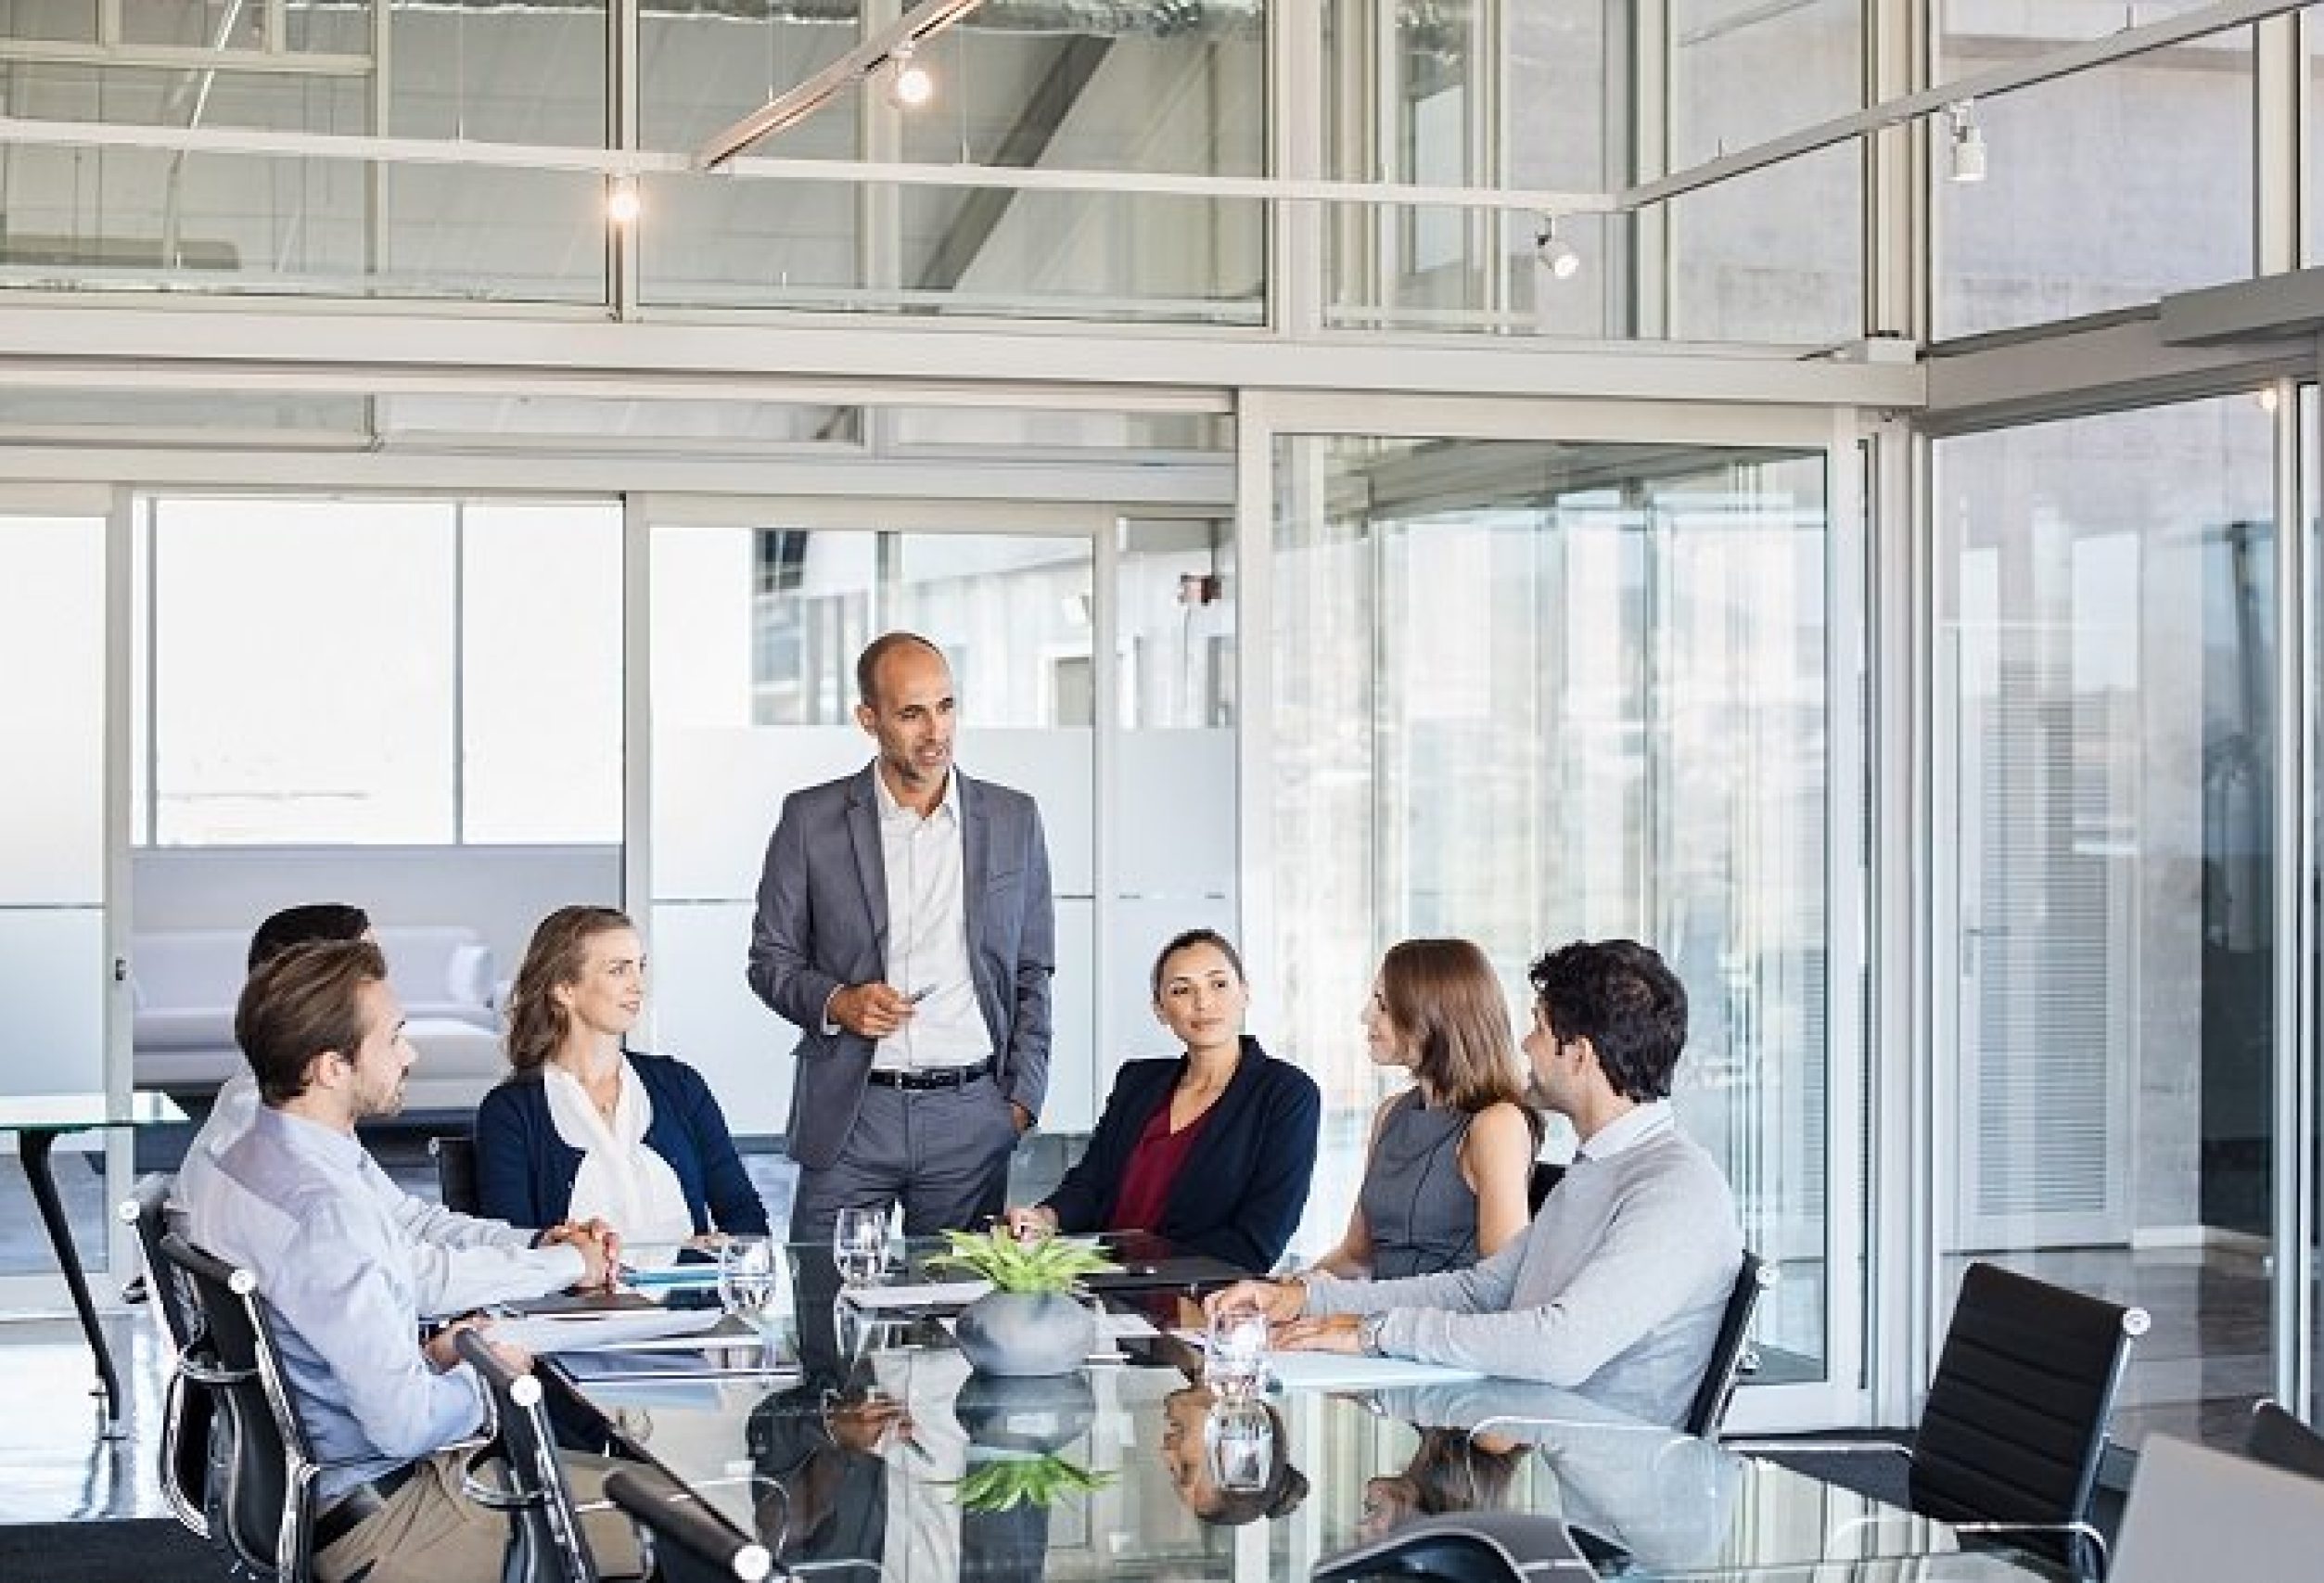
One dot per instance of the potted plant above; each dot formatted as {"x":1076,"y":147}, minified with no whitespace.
{"x":1029,"y":1323}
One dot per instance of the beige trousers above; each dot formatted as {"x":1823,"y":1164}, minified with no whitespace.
{"x":430,"y":1532}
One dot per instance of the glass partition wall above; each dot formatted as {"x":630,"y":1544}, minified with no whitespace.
{"x":53,"y":858}
{"x":2105,"y":771}
{"x":1528,"y":692}
{"x":1094,"y":658}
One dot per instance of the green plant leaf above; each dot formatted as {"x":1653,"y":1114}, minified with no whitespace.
{"x":1047,"y":1264}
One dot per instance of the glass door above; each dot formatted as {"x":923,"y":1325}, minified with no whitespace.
{"x":2106,"y":769}
{"x":1527,"y":691}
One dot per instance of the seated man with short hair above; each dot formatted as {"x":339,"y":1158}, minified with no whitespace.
{"x":1617,"y":1287}
{"x":459,"y":1261}
{"x":296,"y":1201}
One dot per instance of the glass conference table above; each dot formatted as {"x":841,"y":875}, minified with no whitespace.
{"x":861,"y":1445}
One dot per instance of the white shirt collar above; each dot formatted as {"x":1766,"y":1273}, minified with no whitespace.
{"x":890,"y":809}
{"x":1649,"y":1120}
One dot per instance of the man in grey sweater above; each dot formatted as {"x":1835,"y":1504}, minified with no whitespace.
{"x":1617,"y":1287}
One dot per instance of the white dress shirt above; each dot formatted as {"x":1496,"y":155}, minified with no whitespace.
{"x":928,"y":937}
{"x":459,"y":1263}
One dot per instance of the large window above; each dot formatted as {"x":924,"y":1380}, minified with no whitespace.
{"x":381,"y":672}
{"x":1528,"y":693}
{"x":2106,"y":758}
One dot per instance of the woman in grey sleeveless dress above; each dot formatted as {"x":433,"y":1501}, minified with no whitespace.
{"x":1452,"y":1156}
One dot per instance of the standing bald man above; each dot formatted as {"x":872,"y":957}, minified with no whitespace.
{"x":905,"y":926}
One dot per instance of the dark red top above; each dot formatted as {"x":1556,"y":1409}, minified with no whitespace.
{"x":1153,"y":1168}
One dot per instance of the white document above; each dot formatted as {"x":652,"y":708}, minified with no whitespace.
{"x":578,"y":1332}
{"x":919,"y":1297}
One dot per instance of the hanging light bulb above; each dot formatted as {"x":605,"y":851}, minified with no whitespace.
{"x":1554,"y":253}
{"x":624,"y":204}
{"x":910,"y":86}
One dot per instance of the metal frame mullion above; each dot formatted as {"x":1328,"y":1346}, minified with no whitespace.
{"x":622,"y":56}
{"x":2295,"y":923}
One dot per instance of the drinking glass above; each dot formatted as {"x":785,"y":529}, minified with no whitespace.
{"x":749,"y":1282}
{"x":859,"y":1244}
{"x":1234,"y":1361}
{"x":1239,"y":1441}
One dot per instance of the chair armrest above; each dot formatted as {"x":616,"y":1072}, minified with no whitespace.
{"x":2076,"y":1530}
{"x":1819,"y":1448}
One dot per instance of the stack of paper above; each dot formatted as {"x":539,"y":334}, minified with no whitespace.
{"x":580,"y":1332}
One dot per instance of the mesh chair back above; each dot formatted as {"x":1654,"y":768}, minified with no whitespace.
{"x":2016,"y":1415}
{"x":1547,"y":1174}
{"x":1733,"y":1347}
{"x":2282,"y":1441}
{"x":692,"y":1543}
{"x":185,"y":1404}
{"x":456,"y":1171}
{"x":546,"y":1541}
{"x":261,"y":1468}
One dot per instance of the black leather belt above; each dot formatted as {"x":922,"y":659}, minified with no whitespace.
{"x":366,"y":1500}
{"x":938,"y":1078}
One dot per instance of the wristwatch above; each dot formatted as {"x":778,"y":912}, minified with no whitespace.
{"x":1367,"y":1332}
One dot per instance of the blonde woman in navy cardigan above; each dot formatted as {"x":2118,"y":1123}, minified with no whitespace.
{"x":584,"y":1128}
{"x":1211,"y":1150}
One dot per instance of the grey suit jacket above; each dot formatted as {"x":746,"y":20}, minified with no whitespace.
{"x":823,"y":924}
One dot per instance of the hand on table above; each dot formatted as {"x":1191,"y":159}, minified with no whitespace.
{"x":1028,"y":1225}
{"x":1336,"y":1332}
{"x":1281,"y":1301}
{"x":599,"y":1245}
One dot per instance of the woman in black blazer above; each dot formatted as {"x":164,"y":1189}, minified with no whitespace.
{"x":1211,"y":1150}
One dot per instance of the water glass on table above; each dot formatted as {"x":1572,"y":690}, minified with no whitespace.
{"x":750,"y":1277}
{"x":1234,"y":1354}
{"x":859,"y":1244}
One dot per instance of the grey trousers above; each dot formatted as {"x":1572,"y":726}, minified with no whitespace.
{"x":942,"y":1153}
{"x":430,"y":1532}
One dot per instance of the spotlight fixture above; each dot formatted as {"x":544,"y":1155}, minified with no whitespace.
{"x":622,"y":203}
{"x":1554,"y":253}
{"x":909,"y":84}
{"x":1968,"y":143}
{"x":892,"y":44}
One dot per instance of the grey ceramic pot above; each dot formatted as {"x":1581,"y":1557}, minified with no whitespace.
{"x":1026,"y":1416}
{"x":1019,"y":1333}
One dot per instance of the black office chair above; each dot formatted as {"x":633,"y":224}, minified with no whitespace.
{"x":546,"y":1541}
{"x":686,"y":1542}
{"x":2015,"y":1423}
{"x":456,"y":1171}
{"x":1464,"y":1547}
{"x":1731,"y":1354}
{"x":185,"y":1405}
{"x":261,"y":1468}
{"x":2282,"y":1441}
{"x":1547,"y":1174}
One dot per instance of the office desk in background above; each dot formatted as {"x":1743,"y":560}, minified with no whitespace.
{"x":38,"y":1121}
